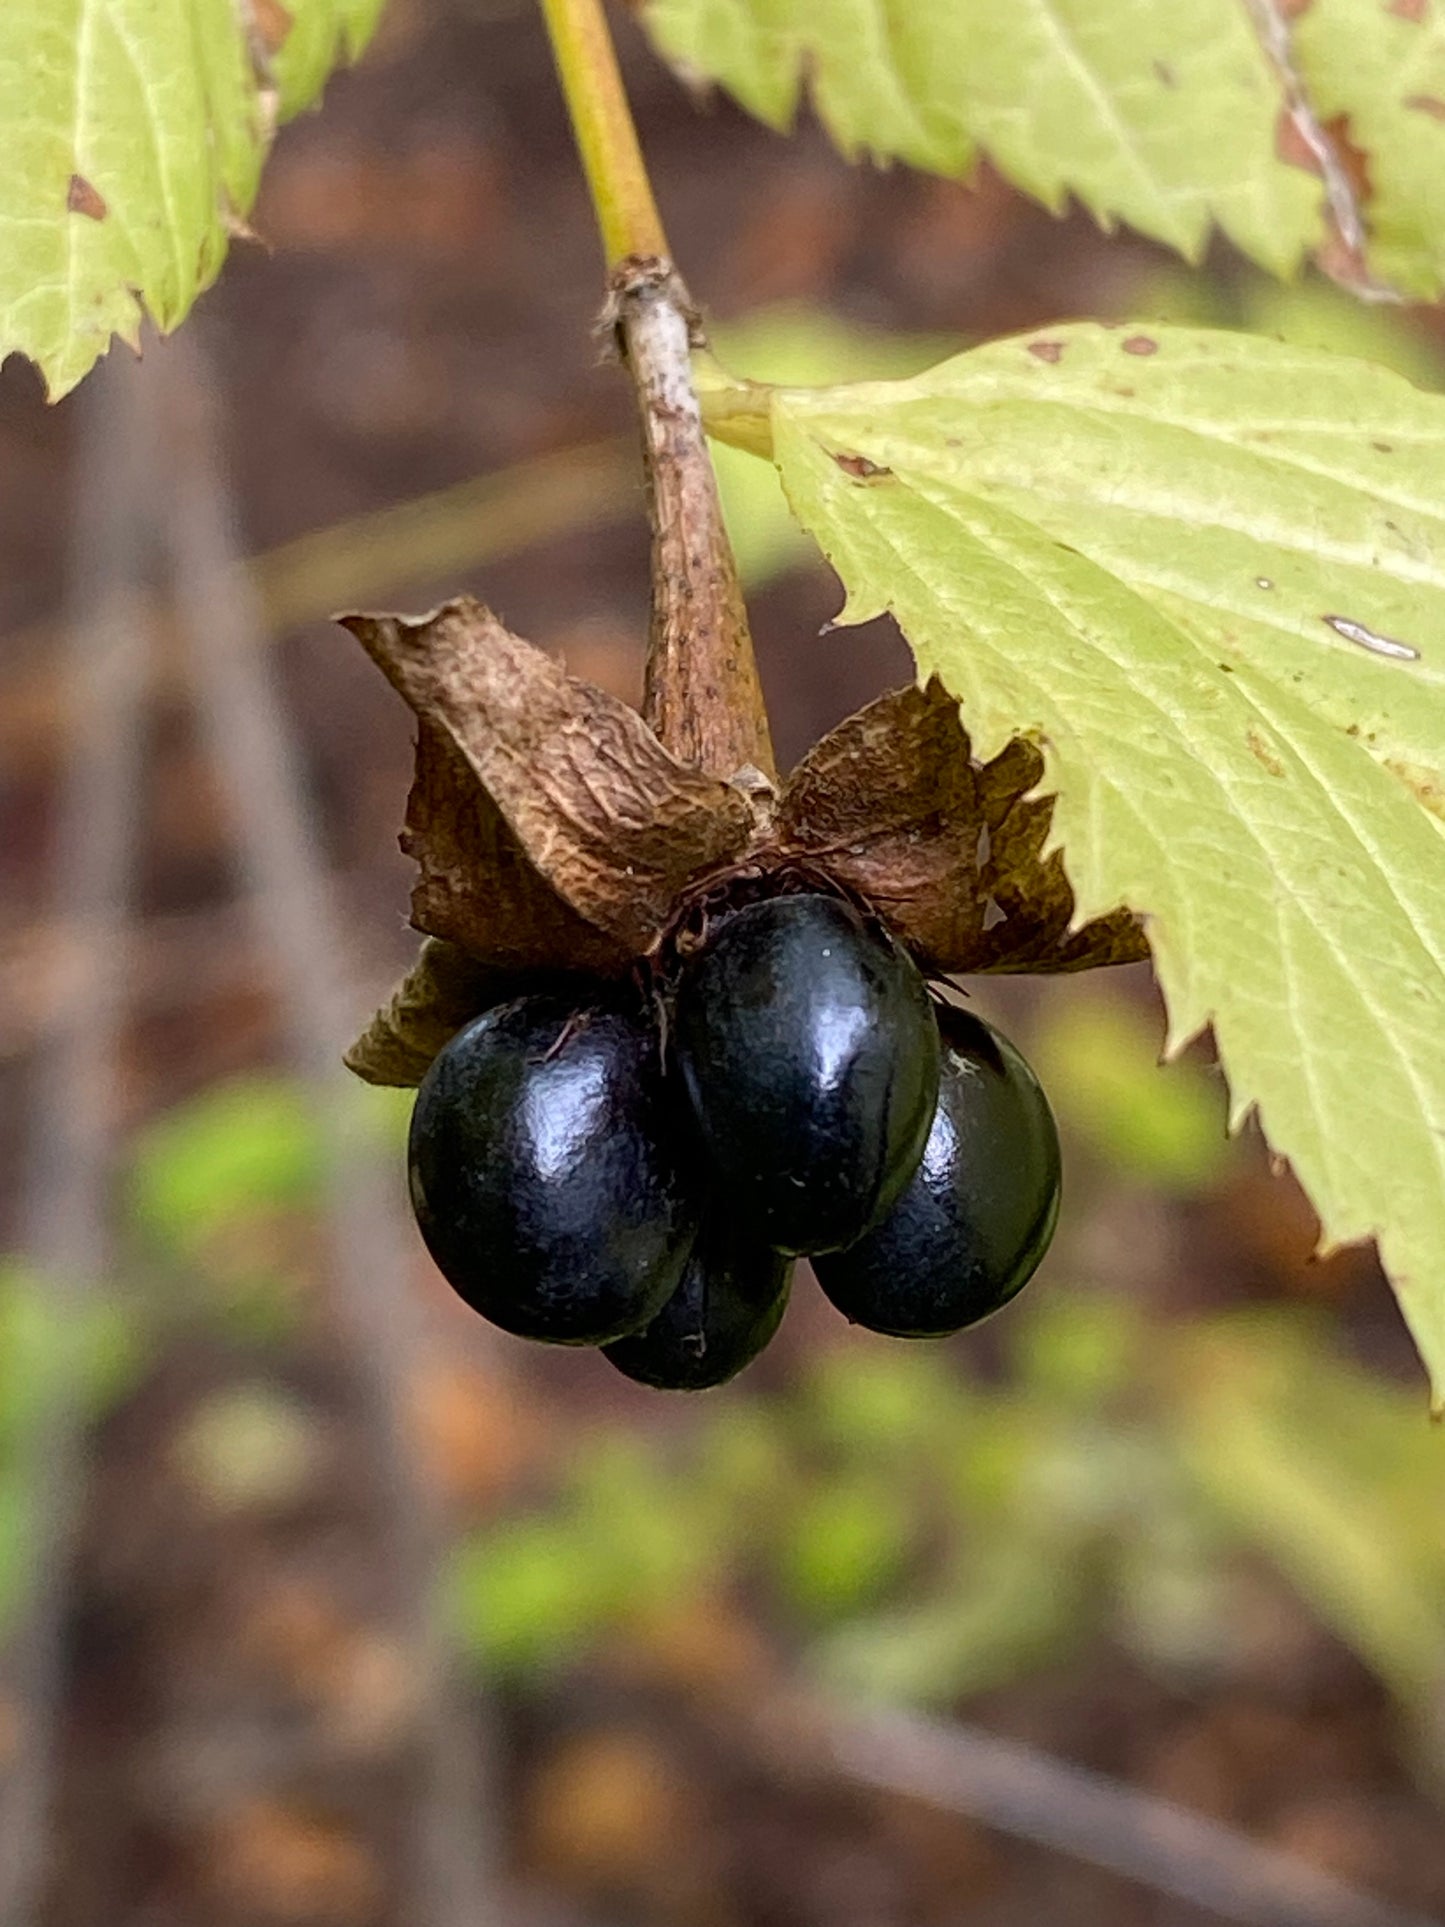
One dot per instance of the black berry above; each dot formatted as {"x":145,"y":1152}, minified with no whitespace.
{"x":724,"y":1312}
{"x":807,"y":1045}
{"x":970,"y":1228}
{"x":541,"y":1173}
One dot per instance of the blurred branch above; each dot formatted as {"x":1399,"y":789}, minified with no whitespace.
{"x":366,"y":559}
{"x":445,"y":533}
{"x":284,"y":871}
{"x":1033,"y":1796}
{"x":107,"y":650}
{"x":177,"y":960}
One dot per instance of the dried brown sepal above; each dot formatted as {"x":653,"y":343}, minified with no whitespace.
{"x":891,"y":805}
{"x":475,"y":886}
{"x":1033,"y":904}
{"x":609,"y":820}
{"x":443,"y":990}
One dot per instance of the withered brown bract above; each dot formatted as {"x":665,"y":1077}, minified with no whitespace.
{"x":892,"y":804}
{"x":477,"y":887}
{"x":553,"y":830}
{"x":556,"y":828}
{"x":444,"y":989}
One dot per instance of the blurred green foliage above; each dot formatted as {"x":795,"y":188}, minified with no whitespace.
{"x":49,"y":1353}
{"x":1099,"y":1064}
{"x":796,"y":345}
{"x":931,"y":1527}
{"x":222,"y":1194}
{"x":1311,"y":313}
{"x":926,"y":1520}
{"x":930,"y":1530}
{"x":213,"y":1185}
{"x":245,"y":1145}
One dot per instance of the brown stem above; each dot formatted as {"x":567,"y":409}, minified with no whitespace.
{"x":702,"y":694}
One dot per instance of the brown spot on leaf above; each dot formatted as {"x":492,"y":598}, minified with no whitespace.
{"x":83,"y":197}
{"x":1139,"y":345}
{"x":1383,"y":448}
{"x":862,"y":470}
{"x":1260,"y":750}
{"x":1429,"y":104}
{"x":1411,"y":10}
{"x":1424,"y":784}
{"x":892,"y":805}
{"x":1353,"y":159}
{"x":273,"y":24}
{"x":1049,"y":351}
{"x":1165,"y":74}
{"x":528,"y":775}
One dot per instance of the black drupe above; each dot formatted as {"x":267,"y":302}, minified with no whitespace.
{"x":724,"y":1312}
{"x":542,"y":1170}
{"x":970,"y":1228}
{"x":807,"y":1045}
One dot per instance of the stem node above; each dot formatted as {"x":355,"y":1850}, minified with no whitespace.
{"x":702,"y":694}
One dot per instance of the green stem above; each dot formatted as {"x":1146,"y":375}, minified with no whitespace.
{"x":617,"y":177}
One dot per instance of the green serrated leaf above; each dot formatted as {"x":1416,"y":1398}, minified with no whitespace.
{"x":135,"y":132}
{"x":324,"y":34}
{"x":1382,"y":68}
{"x":1124,"y":105}
{"x":1207,"y":574}
{"x":795,"y":343}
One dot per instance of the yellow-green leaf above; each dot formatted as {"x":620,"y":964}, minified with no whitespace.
{"x":1207,"y":574}
{"x":323,"y":34}
{"x":795,"y":343}
{"x":135,"y":132}
{"x":1156,"y":113}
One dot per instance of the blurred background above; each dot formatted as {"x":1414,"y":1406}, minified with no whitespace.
{"x":322,"y":1605}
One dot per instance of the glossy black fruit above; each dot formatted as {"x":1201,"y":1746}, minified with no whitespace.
{"x":725,"y":1311}
{"x":971,"y":1227}
{"x":807,"y":1045}
{"x":541,"y":1173}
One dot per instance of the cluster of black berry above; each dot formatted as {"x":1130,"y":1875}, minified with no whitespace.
{"x":579,"y":1181}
